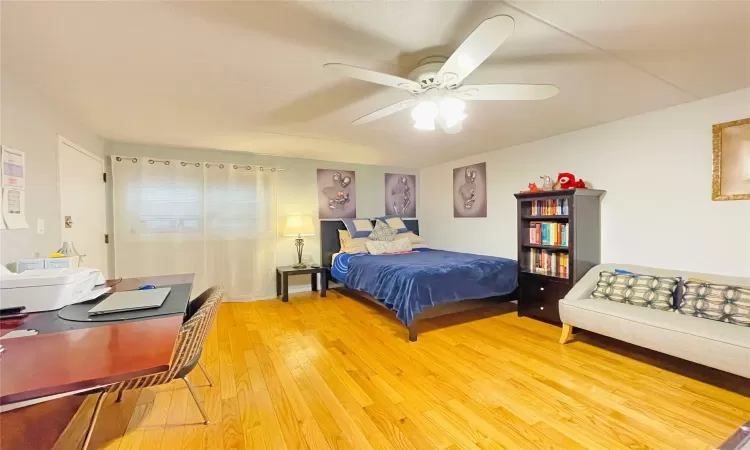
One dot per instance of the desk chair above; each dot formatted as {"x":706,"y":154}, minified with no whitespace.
{"x":186,"y":352}
{"x":193,"y":307}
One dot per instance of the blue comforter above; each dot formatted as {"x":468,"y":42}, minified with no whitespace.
{"x":408,"y":283}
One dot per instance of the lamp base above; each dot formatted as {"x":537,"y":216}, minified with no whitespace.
{"x":299,"y":243}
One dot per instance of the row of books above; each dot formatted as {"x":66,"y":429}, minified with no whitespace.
{"x":549,"y":263}
{"x":549,"y":233}
{"x":549,"y":207}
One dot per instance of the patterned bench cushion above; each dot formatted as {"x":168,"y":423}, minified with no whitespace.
{"x":639,"y":290}
{"x":720,"y":302}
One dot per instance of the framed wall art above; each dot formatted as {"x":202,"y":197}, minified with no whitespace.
{"x":336,"y":194}
{"x":731,"y":161}
{"x":400,"y":195}
{"x":470,"y":191}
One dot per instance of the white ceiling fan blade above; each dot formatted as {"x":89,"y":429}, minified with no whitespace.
{"x":480,"y":44}
{"x":387,"y":111}
{"x":374,"y":77}
{"x":506,"y":91}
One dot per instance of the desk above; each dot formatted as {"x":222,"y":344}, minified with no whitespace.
{"x":48,"y":364}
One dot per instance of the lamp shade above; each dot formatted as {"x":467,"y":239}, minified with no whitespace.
{"x":299,"y":226}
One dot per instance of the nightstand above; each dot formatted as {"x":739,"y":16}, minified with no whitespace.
{"x":282,"y":280}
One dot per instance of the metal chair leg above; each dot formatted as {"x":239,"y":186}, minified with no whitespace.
{"x":90,"y":430}
{"x":205,"y":372}
{"x":197,"y":401}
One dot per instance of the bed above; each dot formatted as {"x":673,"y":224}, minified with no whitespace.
{"x":422,"y":284}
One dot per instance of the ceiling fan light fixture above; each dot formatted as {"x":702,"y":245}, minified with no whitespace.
{"x":425,"y":125}
{"x":454,"y":120}
{"x":452,"y":111}
{"x":424,"y":115}
{"x":425,"y":111}
{"x":455,"y":128}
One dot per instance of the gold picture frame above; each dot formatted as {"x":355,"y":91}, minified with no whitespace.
{"x":730,"y":140}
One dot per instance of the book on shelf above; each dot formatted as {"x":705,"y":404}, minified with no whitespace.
{"x":544,"y":262}
{"x":549,"y":233}
{"x":556,"y":207}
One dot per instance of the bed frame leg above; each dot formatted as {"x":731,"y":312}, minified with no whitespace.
{"x":567,"y":333}
{"x":413,"y":331}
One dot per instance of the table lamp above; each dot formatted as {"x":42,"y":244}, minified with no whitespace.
{"x":299,"y":226}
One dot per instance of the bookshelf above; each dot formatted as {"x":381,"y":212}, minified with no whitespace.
{"x":559,"y":240}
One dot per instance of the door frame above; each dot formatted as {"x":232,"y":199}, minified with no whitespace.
{"x":61,"y":140}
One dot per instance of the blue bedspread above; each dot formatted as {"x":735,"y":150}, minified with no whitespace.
{"x":408,"y":283}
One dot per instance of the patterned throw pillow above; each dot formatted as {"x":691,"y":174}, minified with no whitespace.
{"x":383,"y":232}
{"x":395,"y":222}
{"x":720,"y":302}
{"x":385,"y":247}
{"x":639,"y":290}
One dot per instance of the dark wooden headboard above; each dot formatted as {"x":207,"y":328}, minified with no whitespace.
{"x":329,"y":237}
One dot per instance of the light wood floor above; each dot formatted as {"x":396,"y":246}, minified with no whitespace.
{"x":339,"y":373}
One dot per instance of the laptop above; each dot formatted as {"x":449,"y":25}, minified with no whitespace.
{"x":131,"y":301}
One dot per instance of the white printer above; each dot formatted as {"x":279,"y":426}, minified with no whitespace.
{"x":47,"y":289}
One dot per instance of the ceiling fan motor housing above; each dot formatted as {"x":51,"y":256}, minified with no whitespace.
{"x":426,"y":73}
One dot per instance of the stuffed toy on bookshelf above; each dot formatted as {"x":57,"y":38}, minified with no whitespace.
{"x":566,"y":180}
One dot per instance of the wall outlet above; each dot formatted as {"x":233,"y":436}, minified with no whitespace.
{"x":39,"y":226}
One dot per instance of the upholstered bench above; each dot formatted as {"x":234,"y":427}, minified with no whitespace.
{"x":716,"y":344}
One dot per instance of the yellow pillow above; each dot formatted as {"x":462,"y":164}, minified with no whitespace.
{"x":413,"y":238}
{"x":351,"y":245}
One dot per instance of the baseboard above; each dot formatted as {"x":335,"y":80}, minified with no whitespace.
{"x":293,"y":289}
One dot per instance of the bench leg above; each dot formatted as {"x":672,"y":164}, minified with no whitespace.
{"x":567,"y":333}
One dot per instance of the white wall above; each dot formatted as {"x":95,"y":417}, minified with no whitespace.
{"x":32,"y":124}
{"x":656,"y":169}
{"x":298,"y":192}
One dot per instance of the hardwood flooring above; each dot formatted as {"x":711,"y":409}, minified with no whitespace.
{"x":339,"y":373}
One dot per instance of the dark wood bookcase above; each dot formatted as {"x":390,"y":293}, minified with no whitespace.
{"x":540,"y":293}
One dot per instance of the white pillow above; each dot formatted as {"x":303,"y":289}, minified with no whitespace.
{"x":384,"y":247}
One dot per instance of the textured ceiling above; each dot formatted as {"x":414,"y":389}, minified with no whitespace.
{"x":248,"y":76}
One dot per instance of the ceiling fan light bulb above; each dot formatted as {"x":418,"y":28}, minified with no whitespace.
{"x":425,"y":111}
{"x":454,"y":119}
{"x":452,"y":106}
{"x":456,"y":128}
{"x":425,"y":125}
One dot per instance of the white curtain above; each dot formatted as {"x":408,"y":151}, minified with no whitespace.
{"x":216,"y":220}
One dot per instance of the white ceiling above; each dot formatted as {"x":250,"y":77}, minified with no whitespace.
{"x":248,"y":76}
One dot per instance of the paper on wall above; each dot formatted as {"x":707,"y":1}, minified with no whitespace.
{"x":14,"y":168}
{"x":14,"y":208}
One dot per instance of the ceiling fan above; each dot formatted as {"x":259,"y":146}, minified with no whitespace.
{"x":436,"y":85}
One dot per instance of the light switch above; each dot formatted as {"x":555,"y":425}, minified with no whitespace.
{"x":39,"y":226}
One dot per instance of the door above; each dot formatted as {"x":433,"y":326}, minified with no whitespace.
{"x":82,"y":203}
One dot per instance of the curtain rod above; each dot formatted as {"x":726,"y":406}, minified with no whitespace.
{"x":167,"y":162}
